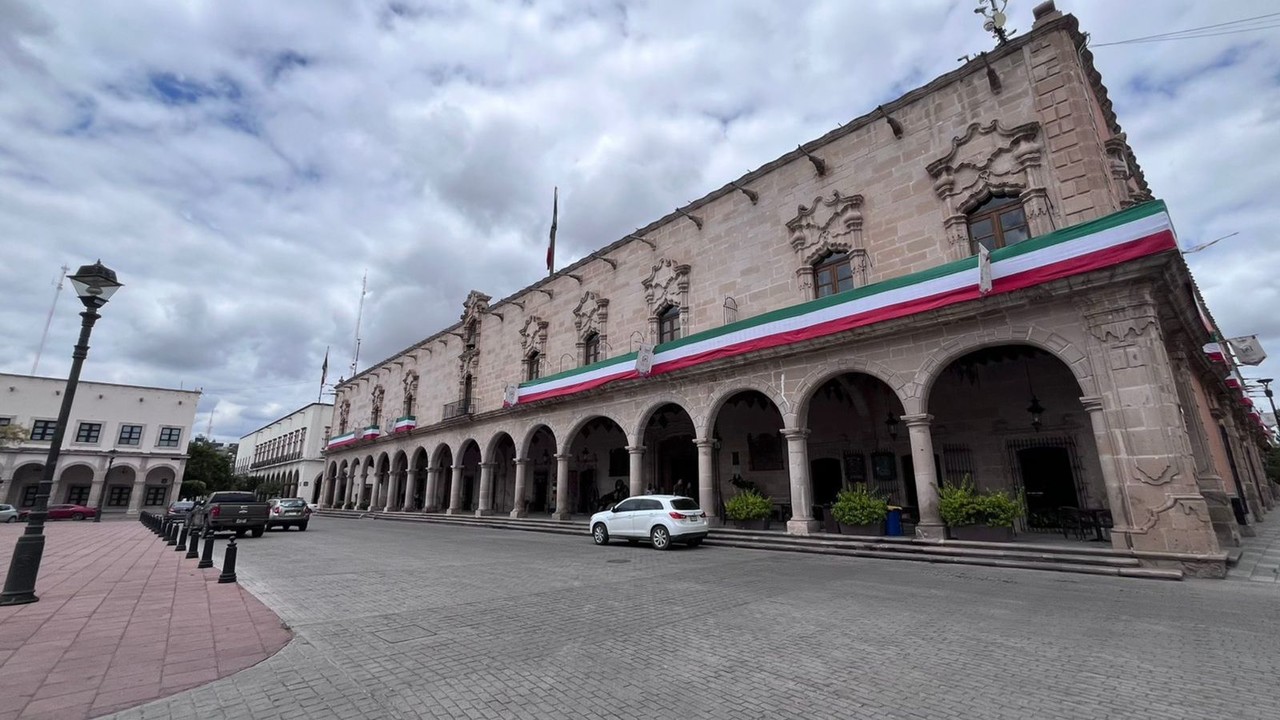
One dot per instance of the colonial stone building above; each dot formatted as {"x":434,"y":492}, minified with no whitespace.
{"x":287,"y":451}
{"x":125,"y":447}
{"x":824,"y":320}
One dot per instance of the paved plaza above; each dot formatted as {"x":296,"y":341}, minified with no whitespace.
{"x":407,"y":620}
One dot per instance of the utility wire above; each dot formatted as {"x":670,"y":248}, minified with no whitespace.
{"x":1197,"y":32}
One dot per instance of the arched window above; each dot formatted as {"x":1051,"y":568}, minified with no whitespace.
{"x":832,"y":274}
{"x":996,"y":223}
{"x":591,"y":349}
{"x":532,"y":364}
{"x":669,"y":324}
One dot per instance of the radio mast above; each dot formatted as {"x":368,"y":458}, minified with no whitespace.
{"x":49,"y":320}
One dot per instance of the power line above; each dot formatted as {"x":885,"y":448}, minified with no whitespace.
{"x":1198,"y":32}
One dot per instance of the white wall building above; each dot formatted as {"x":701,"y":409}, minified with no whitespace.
{"x":288,"y":451}
{"x":128,"y":438}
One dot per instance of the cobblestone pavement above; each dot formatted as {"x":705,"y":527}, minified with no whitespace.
{"x":405,"y":620}
{"x":1260,"y":561}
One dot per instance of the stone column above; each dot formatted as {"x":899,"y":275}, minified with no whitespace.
{"x":406,"y":497}
{"x":1221,"y":516}
{"x":485,"y":506}
{"x":706,"y":478}
{"x":455,"y":492}
{"x":562,"y":488}
{"x":1264,"y":483}
{"x":96,"y":492}
{"x":1251,"y":495}
{"x":522,"y":478}
{"x":636,"y":453}
{"x":139,"y":489}
{"x":1117,"y":498}
{"x":389,"y":497}
{"x":930,"y":526}
{"x":429,"y":503}
{"x":801,"y":522}
{"x":1128,"y":354}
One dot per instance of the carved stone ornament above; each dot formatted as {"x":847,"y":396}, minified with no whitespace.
{"x":667,"y":284}
{"x":410,"y":384}
{"x":376,"y":414}
{"x":344,"y":413}
{"x":533,"y":336}
{"x":590,"y":315}
{"x":828,"y":225}
{"x":474,"y":306}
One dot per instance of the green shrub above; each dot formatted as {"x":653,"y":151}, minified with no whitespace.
{"x":748,"y":505}
{"x":859,"y":507}
{"x":961,"y":505}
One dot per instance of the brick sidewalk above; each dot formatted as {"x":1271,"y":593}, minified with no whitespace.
{"x":122,"y":620}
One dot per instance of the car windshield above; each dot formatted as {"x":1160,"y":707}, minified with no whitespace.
{"x":234,"y":497}
{"x":292,"y":503}
{"x":684,"y":504}
{"x":183,"y":505}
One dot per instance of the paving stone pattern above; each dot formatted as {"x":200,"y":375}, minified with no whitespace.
{"x":401,"y":620}
{"x":1260,"y":561}
{"x":122,"y":619}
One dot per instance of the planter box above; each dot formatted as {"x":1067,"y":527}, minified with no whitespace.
{"x":751,"y":524}
{"x":874,"y":530}
{"x":982,"y":533}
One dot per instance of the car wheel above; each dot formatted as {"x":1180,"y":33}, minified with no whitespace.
{"x":600,"y":534}
{"x":303,"y":527}
{"x":12,"y":518}
{"x":660,"y":536}
{"x":257,"y":532}
{"x":695,"y":542}
{"x":77,"y":516}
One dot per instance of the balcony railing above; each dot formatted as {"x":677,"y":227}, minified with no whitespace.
{"x":462,"y":408}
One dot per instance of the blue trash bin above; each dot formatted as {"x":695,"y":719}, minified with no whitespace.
{"x":893,"y":523}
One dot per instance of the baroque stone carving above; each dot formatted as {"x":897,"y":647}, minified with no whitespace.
{"x":344,"y":412}
{"x":1154,"y":473}
{"x":1188,"y":504}
{"x":667,"y":284}
{"x":533,"y":336}
{"x":375,"y":415}
{"x":828,"y":225}
{"x":590,"y":315}
{"x":991,"y":159}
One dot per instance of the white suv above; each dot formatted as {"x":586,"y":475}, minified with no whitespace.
{"x":663,"y":519}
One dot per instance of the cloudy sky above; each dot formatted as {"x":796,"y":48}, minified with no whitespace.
{"x":240,"y":164}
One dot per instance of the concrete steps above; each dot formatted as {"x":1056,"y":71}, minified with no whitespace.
{"x":1084,"y":559}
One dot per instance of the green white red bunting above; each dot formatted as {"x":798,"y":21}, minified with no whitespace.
{"x":1118,"y":238}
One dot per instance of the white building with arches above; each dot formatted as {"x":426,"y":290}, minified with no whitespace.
{"x":124,"y":450}
{"x":288,"y":451}
{"x":824,"y":321}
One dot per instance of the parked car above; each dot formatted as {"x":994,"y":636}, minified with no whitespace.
{"x":287,"y":513}
{"x":662,"y":519}
{"x":179,"y":509}
{"x":8,"y":513}
{"x":235,"y":510}
{"x":315,"y":507}
{"x":70,"y":512}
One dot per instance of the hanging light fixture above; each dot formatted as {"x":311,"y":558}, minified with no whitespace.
{"x":1036,"y":411}
{"x":891,"y":422}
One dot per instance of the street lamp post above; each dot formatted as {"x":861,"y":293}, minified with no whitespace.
{"x":95,"y":284}
{"x":102,"y":494}
{"x":1266,"y":388}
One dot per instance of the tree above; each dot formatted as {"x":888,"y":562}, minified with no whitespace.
{"x":13,"y":434}
{"x":208,"y":466}
{"x":1272,"y":462}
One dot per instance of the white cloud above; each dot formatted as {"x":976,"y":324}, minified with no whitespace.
{"x":241,"y":164}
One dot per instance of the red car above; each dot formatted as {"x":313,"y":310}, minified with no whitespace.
{"x":65,"y":512}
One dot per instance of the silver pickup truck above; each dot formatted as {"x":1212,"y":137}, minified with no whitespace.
{"x":237,"y":511}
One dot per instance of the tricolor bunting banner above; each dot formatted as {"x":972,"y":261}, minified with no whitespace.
{"x":405,"y":424}
{"x":341,"y":440}
{"x":1128,"y":235}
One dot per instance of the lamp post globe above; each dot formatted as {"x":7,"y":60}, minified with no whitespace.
{"x":94,"y":284}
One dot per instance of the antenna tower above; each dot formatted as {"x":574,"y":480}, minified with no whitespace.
{"x":364,"y":286}
{"x":49,"y":320}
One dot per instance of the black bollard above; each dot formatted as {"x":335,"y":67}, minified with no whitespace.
{"x":171,"y":537}
{"x":182,"y":539}
{"x":163,"y":529}
{"x":206,"y":558}
{"x":229,"y":563}
{"x":193,"y":549}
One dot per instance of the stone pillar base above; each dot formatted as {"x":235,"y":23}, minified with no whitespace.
{"x":560,"y":516}
{"x":1247,"y":531}
{"x":455,"y":511}
{"x":483,"y":513}
{"x":518,"y":513}
{"x":802,"y":527}
{"x":929,"y":531}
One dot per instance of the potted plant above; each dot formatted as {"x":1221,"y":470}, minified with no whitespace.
{"x":980,"y":516}
{"x":860,"y":512}
{"x":749,"y":510}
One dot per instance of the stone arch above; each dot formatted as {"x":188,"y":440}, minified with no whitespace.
{"x":1061,"y":348}
{"x":721,"y":397}
{"x":439,"y":453}
{"x":566,"y":440}
{"x":62,"y":472}
{"x":818,"y":377}
{"x":528,"y":436}
{"x":654,"y":405}
{"x":490,"y":450}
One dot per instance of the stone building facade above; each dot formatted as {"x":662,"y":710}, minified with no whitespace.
{"x":288,"y":451}
{"x":125,"y":448}
{"x":823,"y":321}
